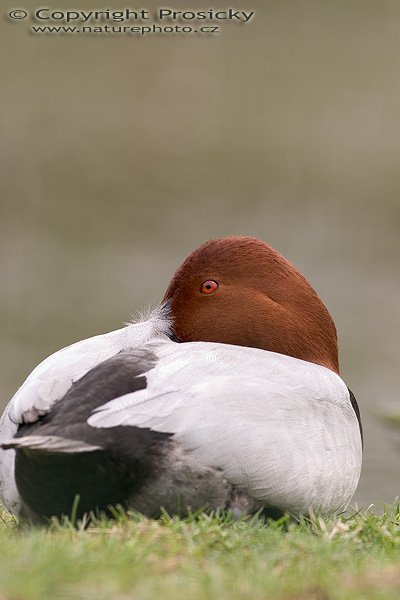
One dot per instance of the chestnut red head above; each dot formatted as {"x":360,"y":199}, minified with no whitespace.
{"x":238,"y":290}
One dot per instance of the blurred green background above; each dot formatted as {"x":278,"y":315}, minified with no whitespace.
{"x":119,"y":155}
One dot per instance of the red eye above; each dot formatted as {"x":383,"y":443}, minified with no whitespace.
{"x":208,"y":287}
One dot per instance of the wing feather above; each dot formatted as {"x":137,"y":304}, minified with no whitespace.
{"x":51,"y":379}
{"x":276,"y":426}
{"x":280,"y":428}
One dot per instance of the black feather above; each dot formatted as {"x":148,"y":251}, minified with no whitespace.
{"x":48,"y":481}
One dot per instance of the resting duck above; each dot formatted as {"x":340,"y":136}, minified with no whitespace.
{"x":227,"y":396}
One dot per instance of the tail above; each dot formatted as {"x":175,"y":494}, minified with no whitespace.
{"x":51,"y":471}
{"x":49,"y":443}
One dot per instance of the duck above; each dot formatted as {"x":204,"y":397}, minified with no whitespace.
{"x":227,"y":396}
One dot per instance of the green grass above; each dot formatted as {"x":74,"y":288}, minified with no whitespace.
{"x":203,"y":558}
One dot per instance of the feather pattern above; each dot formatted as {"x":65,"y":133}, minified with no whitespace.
{"x":282,"y":429}
{"x":52,"y":378}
